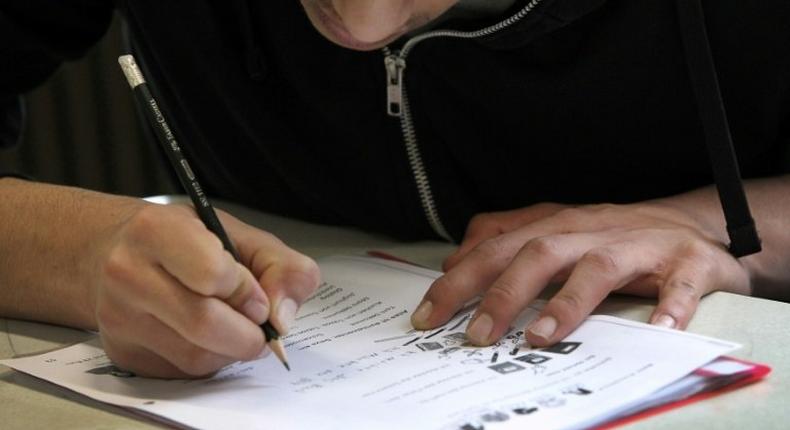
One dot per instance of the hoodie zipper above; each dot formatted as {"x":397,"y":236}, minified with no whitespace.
{"x":398,"y":106}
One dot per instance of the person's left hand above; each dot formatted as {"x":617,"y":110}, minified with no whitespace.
{"x":647,"y":249}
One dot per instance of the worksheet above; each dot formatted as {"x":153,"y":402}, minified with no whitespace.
{"x":358,"y":364}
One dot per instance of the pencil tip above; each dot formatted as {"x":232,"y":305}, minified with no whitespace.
{"x":278,"y":350}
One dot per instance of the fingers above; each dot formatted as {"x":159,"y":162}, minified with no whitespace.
{"x":485,"y":262}
{"x":532,"y":269}
{"x":174,"y":238}
{"x":206,"y":322}
{"x":697,"y":271}
{"x":142,"y":362}
{"x":287,"y":276}
{"x":596,"y":249}
{"x":598,"y":272}
{"x":466,"y":280}
{"x":174,"y":357}
{"x":173,"y":296}
{"x":479,"y":268}
{"x":248,"y":297}
{"x":489,"y":225}
{"x":132,"y":347}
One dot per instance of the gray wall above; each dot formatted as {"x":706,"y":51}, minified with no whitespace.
{"x":82,"y":130}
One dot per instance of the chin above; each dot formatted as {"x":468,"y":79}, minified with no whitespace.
{"x":328,"y":23}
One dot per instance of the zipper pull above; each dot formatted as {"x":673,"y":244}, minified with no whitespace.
{"x":395,"y":66}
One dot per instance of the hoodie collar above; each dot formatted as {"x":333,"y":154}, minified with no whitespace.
{"x":548,"y":17}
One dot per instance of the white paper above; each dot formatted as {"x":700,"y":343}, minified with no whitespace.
{"x":358,"y":364}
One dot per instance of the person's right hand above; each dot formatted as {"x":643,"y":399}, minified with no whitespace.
{"x":172,"y":303}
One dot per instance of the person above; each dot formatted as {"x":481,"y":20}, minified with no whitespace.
{"x":556,"y":140}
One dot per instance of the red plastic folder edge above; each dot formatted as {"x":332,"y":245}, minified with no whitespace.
{"x":756,"y":373}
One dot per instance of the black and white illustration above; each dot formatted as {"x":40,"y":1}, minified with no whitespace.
{"x":494,"y":417}
{"x":562,"y":348}
{"x":430,"y":346}
{"x":111,"y":370}
{"x":533,"y":358}
{"x":523,"y":409}
{"x":506,"y":368}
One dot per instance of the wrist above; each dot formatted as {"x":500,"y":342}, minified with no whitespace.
{"x":698,"y":209}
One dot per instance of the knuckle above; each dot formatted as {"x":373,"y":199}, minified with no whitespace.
{"x":682,"y":289}
{"x":605,"y":261}
{"x":215,"y":264}
{"x":571,"y":213}
{"x":146,"y":221}
{"x":490,"y":249}
{"x":545,"y":247}
{"x":202,"y":319}
{"x":569,"y":302}
{"x":301,"y":276}
{"x":698,"y":250}
{"x":700,"y":255}
{"x":604,"y":208}
{"x":118,"y":268}
{"x":308,"y":268}
{"x":570,"y":218}
{"x":505,"y":291}
{"x":213,"y":268}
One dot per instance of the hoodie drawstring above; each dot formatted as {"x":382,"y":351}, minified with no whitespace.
{"x":741,"y":229}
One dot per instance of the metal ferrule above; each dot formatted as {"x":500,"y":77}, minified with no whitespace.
{"x":132,"y":72}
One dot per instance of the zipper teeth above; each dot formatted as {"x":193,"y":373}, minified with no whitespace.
{"x":521,"y":14}
{"x":407,"y":126}
{"x":419,"y":171}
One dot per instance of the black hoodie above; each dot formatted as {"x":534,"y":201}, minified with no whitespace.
{"x":578,"y":101}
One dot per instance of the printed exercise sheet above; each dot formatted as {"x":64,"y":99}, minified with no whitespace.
{"x":358,"y":364}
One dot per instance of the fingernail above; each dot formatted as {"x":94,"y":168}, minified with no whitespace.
{"x":286,"y":313}
{"x":544,"y":327}
{"x":665,"y":321}
{"x":423,"y":312}
{"x":480,"y":329}
{"x":255,"y":310}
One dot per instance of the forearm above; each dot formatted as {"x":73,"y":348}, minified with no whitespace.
{"x":769,"y":200}
{"x":50,"y":240}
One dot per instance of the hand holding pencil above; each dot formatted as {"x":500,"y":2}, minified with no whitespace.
{"x":173,"y":301}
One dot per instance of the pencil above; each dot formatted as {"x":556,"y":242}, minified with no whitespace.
{"x":166,"y":138}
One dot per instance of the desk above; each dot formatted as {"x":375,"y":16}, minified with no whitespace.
{"x":762,"y":326}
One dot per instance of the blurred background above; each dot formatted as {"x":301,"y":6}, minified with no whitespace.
{"x":82,"y":130}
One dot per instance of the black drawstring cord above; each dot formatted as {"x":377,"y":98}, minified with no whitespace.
{"x":744,"y":239}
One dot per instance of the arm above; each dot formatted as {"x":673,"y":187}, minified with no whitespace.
{"x":168,"y":300}
{"x":672,"y":248}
